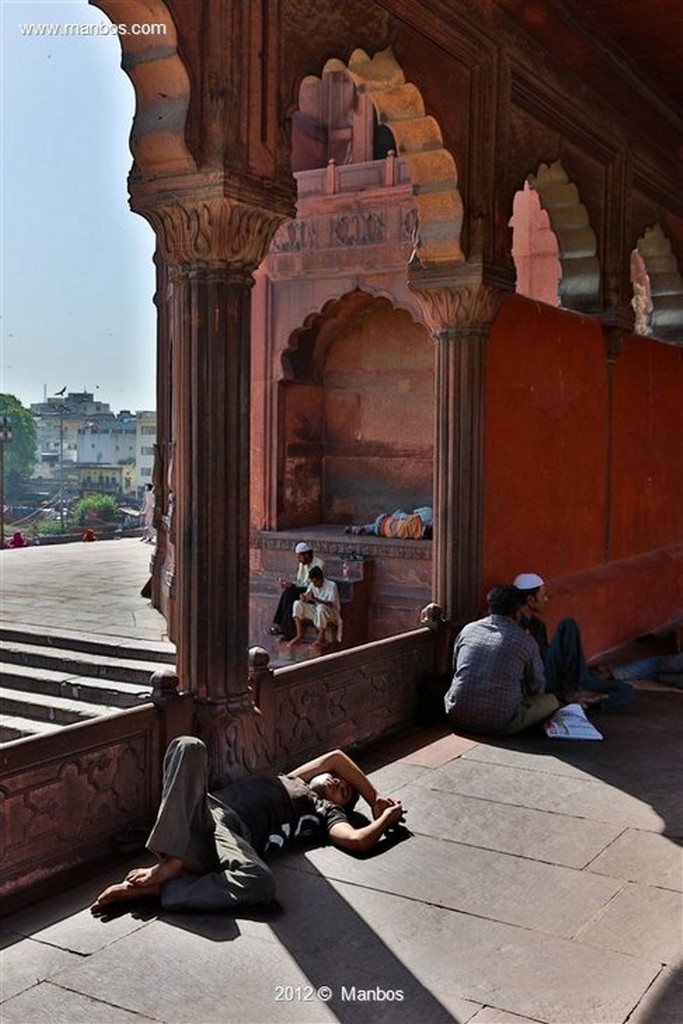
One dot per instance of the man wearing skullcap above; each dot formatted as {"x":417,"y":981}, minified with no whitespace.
{"x":283,"y":623}
{"x":566,"y":671}
{"x":498,"y":683}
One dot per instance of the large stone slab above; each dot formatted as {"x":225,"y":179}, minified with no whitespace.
{"x":390,"y":777}
{"x":65,"y":920}
{"x":643,"y":857}
{"x":551,"y":899}
{"x":581,"y":797}
{"x":509,"y":969}
{"x":539,"y":835}
{"x":48,"y":1002}
{"x":662,"y":1003}
{"x":26,"y":963}
{"x":170,"y":973}
{"x":489,"y":1015}
{"x":324,"y":929}
{"x":640,"y":920}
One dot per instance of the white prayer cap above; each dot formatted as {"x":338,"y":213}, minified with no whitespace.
{"x":302,"y":548}
{"x":528,"y":581}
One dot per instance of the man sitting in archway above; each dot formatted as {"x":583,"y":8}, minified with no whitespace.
{"x":320,"y":605}
{"x":210,"y":847}
{"x":283,"y":623}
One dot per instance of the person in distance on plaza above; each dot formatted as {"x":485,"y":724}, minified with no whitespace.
{"x":210,"y":848}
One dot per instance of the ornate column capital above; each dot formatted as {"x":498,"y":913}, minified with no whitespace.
{"x":212,"y":233}
{"x":456,"y":297}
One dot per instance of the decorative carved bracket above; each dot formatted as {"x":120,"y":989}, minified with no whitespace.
{"x":216,"y":232}
{"x":456,"y":296}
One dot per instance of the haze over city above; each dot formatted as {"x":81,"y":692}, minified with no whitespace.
{"x":77,"y":277}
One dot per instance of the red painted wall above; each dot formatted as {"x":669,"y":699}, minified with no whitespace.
{"x":582,"y":474}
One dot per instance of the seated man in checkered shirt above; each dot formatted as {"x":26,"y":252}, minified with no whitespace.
{"x":498,"y":683}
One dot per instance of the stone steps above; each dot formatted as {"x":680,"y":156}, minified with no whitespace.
{"x":90,"y":643}
{"x":38,"y":656}
{"x":97,"y":690}
{"x":50,"y":679}
{"x":42,"y":708}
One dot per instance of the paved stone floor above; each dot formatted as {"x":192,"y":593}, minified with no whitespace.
{"x":89,"y":588}
{"x":540,"y":881}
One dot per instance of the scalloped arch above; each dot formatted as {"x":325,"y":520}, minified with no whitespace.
{"x":319,"y":327}
{"x":399,"y":106}
{"x":580,"y":283}
{"x":161,"y":84}
{"x":666,"y":284}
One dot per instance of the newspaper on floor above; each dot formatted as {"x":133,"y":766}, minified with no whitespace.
{"x":570,"y":723}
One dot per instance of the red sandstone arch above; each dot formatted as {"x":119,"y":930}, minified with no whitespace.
{"x":580,"y":283}
{"x":400,"y":107}
{"x":161,"y":83}
{"x":535,"y":249}
{"x":353,"y":434}
{"x":666,"y":284}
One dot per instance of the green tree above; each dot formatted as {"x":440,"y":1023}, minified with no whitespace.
{"x":101,"y":508}
{"x":20,"y":452}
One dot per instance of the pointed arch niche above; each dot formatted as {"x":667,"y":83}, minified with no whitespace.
{"x":554,"y":247}
{"x":657,"y":286}
{"x":355,"y":424}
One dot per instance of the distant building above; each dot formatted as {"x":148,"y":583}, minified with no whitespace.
{"x":58,"y":421}
{"x":98,"y":451}
{"x":102,"y":478}
{"x":146,"y":435}
{"x":111,"y":442}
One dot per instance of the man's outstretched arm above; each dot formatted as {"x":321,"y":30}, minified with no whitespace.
{"x":360,"y":840}
{"x":338,"y":763}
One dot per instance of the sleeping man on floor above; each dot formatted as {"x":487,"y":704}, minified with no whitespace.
{"x":210,"y":847}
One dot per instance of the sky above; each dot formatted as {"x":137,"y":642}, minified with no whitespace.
{"x":76,"y":271}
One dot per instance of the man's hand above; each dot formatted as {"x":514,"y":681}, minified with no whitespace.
{"x":360,"y":840}
{"x":381,"y":804}
{"x":393,"y":815}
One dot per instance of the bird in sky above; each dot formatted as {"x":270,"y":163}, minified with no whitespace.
{"x":62,"y":392}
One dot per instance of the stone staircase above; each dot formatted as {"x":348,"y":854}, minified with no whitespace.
{"x":50,"y":679}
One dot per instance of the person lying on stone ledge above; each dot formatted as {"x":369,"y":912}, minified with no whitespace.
{"x":399,"y":525}
{"x":210,"y":848}
{"x":320,"y":605}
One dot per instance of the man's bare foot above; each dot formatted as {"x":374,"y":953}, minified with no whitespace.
{"x":123,"y":891}
{"x":319,"y":646}
{"x":293,"y":643}
{"x":168,"y":867}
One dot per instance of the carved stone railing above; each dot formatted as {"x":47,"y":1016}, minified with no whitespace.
{"x":341,"y":699}
{"x":66,"y":796}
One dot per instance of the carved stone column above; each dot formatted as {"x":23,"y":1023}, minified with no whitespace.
{"x":459,"y":314}
{"x":211,"y":248}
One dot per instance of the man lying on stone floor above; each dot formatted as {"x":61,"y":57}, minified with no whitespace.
{"x":210,"y":846}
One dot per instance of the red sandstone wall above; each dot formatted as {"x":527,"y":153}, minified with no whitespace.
{"x":582,"y":481}
{"x":379,"y":400}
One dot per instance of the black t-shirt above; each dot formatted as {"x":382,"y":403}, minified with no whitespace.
{"x":280,"y":811}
